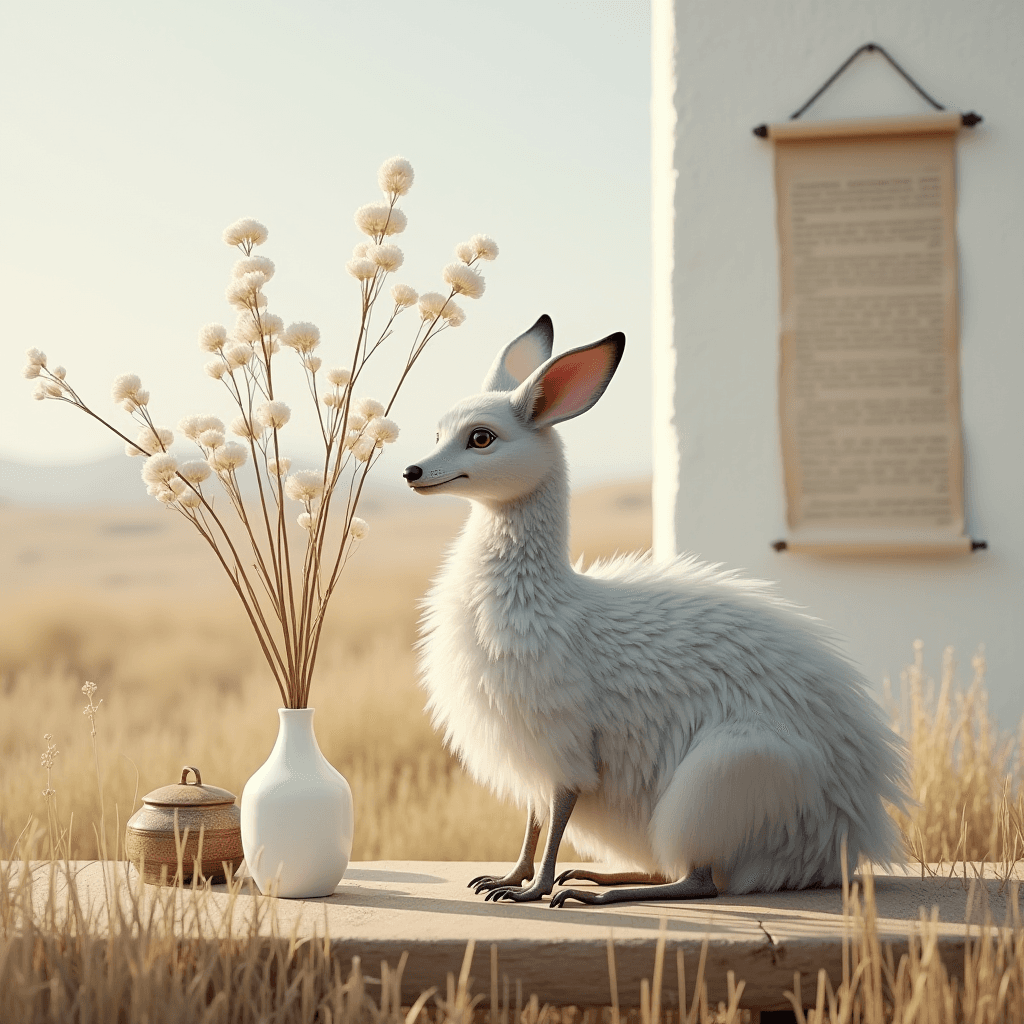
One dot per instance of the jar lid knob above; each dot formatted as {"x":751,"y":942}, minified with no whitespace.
{"x":184,"y":775}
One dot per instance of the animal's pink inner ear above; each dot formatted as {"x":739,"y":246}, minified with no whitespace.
{"x":567,"y":389}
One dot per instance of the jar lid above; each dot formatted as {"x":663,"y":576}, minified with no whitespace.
{"x":186,"y":794}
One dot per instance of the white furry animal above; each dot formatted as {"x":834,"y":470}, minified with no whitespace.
{"x":698,"y":729}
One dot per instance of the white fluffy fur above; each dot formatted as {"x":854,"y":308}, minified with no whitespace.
{"x":702,"y":719}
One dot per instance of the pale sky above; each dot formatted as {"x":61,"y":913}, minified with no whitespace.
{"x":133,"y":133}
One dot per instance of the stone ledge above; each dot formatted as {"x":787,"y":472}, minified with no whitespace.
{"x":384,"y":908}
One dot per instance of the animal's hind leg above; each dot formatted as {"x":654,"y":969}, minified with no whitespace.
{"x":612,"y":878}
{"x":696,"y":885}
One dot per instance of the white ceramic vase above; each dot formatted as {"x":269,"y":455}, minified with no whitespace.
{"x":297,"y":815}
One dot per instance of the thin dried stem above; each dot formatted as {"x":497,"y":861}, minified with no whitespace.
{"x":285,"y":603}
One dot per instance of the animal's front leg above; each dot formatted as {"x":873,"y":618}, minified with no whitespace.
{"x":523,"y":868}
{"x":562,"y":804}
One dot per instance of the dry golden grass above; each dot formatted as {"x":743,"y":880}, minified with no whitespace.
{"x":966,"y":777}
{"x":122,"y":599}
{"x":155,"y":965}
{"x":129,"y":599}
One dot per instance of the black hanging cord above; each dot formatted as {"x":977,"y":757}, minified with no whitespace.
{"x":969,"y":120}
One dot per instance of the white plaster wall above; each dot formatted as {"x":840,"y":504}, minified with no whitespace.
{"x":719,"y":68}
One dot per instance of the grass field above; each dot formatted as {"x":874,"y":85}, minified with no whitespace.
{"x":128,"y":599}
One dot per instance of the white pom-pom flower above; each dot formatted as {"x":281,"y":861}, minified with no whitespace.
{"x":152,"y":442}
{"x":312,"y":363}
{"x":386,"y":256}
{"x":228,"y":457}
{"x":304,"y":485}
{"x":273,"y":414}
{"x":211,"y":438}
{"x":361,"y":268}
{"x":32,"y":370}
{"x":431,"y":304}
{"x":305,"y":520}
{"x":485,"y":246}
{"x":454,"y":315}
{"x":302,"y":337}
{"x":166,"y":495}
{"x":278,"y":467}
{"x":159,"y":468}
{"x":189,"y":499}
{"x":36,"y":357}
{"x":465,"y":252}
{"x":369,"y":408}
{"x":195,"y":471}
{"x":247,"y":328}
{"x":395,"y":176}
{"x":272,"y":325}
{"x":244,"y":291}
{"x":243,"y":427}
{"x":193,"y":426}
{"x":46,"y":389}
{"x":404,"y":295}
{"x":358,"y":528}
{"x":359,"y":250}
{"x":125,"y":387}
{"x":378,"y":219}
{"x":245,"y":232}
{"x":216,"y":368}
{"x":331,"y":399}
{"x":339,"y":376}
{"x":238,"y":354}
{"x":464,"y":280}
{"x":212,"y":338}
{"x":383,"y":431}
{"x":364,"y":448}
{"x":59,"y":372}
{"x":251,"y":264}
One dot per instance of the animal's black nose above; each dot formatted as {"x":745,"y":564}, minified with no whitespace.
{"x":412,"y":473}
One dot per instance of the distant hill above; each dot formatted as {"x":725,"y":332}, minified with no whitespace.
{"x":113,"y":480}
{"x":116,"y":482}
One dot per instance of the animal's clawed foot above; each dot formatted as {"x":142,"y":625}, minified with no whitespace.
{"x":488,"y":883}
{"x":571,"y":874}
{"x":583,"y":895}
{"x":519,"y":893}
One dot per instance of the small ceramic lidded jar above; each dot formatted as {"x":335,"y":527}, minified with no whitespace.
{"x":150,"y":835}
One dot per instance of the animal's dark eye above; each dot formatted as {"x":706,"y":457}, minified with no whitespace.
{"x":481,"y":437}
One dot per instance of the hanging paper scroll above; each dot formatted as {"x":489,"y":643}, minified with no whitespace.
{"x":869,"y":375}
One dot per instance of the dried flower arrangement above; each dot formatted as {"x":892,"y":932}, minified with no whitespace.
{"x":286,"y":591}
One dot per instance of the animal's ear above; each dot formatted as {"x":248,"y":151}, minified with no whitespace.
{"x":569,"y":384}
{"x":521,"y":357}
